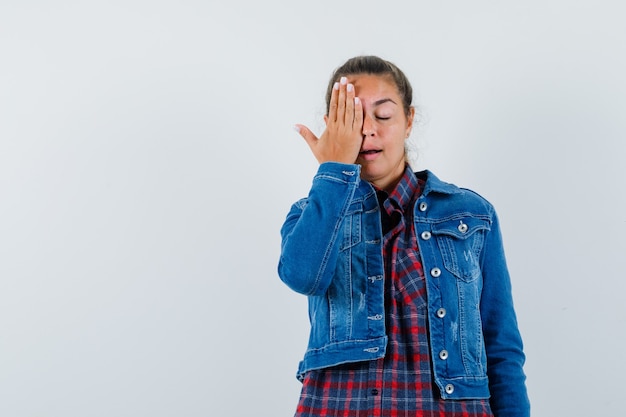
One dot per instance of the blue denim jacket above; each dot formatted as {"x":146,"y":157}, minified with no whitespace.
{"x":332,"y":252}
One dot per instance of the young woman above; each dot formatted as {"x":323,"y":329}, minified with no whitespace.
{"x":409,"y":295}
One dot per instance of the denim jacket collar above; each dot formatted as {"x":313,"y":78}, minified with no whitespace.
{"x":435,"y":184}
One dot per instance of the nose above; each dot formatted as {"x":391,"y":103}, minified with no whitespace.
{"x":368,"y":126}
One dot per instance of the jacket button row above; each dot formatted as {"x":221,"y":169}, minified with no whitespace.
{"x":449,"y":389}
{"x":443,"y":355}
{"x":435,"y":272}
{"x":441,"y":313}
{"x":426,"y":235}
{"x":423,"y":206}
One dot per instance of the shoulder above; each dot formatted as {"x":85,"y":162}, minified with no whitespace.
{"x":455,"y":197}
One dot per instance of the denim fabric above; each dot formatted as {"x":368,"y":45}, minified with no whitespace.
{"x":331,"y":251}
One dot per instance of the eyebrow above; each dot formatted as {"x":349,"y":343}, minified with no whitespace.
{"x":384,"y":100}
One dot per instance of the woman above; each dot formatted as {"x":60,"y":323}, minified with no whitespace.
{"x":409,"y":295}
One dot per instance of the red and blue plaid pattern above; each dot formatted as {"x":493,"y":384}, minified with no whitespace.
{"x":400,"y":384}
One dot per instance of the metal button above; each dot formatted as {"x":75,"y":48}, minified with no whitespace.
{"x":435,"y":272}
{"x":443,"y":355}
{"x":423,"y":206}
{"x":426,"y":235}
{"x":449,"y":389}
{"x":441,"y":313}
{"x":462,"y":227}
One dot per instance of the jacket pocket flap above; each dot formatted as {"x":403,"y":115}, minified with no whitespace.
{"x":461,"y":227}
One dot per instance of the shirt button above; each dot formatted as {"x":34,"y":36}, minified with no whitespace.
{"x":374,"y":391}
{"x":423,"y":206}
{"x":441,"y":313}
{"x":435,"y":272}
{"x":449,"y":389}
{"x":443,"y":355}
{"x":462,"y":227}
{"x":426,"y":235}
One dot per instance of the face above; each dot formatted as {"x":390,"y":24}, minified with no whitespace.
{"x":386,"y":126}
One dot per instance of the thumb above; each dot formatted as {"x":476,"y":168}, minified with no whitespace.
{"x":306,"y":133}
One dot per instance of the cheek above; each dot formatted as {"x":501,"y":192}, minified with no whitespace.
{"x":401,"y":139}
{"x":395,"y":134}
{"x":395,"y":144}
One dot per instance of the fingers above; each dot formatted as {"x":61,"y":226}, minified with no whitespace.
{"x":343,"y":108}
{"x":353,"y":117}
{"x":332,"y":108}
{"x":349,"y":112}
{"x":342,"y":138}
{"x":341,"y":101}
{"x":358,"y":115}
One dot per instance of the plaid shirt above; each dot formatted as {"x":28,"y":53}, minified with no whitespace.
{"x":400,"y":384}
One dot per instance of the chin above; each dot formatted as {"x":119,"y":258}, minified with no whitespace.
{"x":369,"y":175}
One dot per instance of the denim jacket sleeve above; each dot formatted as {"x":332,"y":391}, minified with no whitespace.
{"x":310,"y":234}
{"x":503,"y":343}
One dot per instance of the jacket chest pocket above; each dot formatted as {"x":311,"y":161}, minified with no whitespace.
{"x":351,"y":233}
{"x":461,"y":241}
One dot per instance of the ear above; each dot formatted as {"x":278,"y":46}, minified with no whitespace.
{"x":409,"y":124}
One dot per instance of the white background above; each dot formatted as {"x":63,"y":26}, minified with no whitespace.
{"x":147,"y":161}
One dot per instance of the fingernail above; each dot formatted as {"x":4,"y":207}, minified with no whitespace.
{"x":350,"y":87}
{"x":343,"y":80}
{"x":296,"y":128}
{"x":336,"y":86}
{"x":357,"y":100}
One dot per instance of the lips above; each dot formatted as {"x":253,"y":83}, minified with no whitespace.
{"x":369,"y":154}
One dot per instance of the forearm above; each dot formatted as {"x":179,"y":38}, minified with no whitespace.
{"x":310,"y":234}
